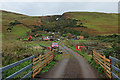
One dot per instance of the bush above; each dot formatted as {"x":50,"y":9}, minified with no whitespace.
{"x":13,"y":23}
{"x":15,"y":51}
{"x":108,"y":52}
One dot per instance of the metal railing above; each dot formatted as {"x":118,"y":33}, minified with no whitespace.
{"x":21,"y":70}
{"x":108,"y":65}
{"x":114,"y":68}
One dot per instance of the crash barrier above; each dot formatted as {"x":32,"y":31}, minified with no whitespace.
{"x":40,"y":62}
{"x":21,"y":70}
{"x":107,"y":64}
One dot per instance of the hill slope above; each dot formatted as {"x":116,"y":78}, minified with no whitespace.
{"x":95,"y":23}
{"x":10,"y":31}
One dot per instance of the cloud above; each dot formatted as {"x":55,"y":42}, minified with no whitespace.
{"x":59,"y":0}
{"x":103,"y":7}
{"x":58,"y":8}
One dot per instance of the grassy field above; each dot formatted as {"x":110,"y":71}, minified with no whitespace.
{"x":97,"y":23}
{"x":19,"y":29}
{"x":17,"y":50}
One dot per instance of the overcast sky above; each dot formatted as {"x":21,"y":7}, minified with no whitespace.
{"x":57,"y":8}
{"x":59,"y":0}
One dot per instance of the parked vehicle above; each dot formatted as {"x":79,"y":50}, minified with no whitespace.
{"x":60,"y":52}
{"x":58,"y":39}
{"x":45,"y":39}
{"x":54,"y":45}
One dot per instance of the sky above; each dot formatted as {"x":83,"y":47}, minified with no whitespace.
{"x":59,"y":0}
{"x":58,"y":7}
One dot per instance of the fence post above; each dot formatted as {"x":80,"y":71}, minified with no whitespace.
{"x":40,"y":59}
{"x":31,"y":67}
{"x":92,"y":54}
{"x":52,"y":55}
{"x":104,"y":60}
{"x":0,"y":74}
{"x":111,"y":67}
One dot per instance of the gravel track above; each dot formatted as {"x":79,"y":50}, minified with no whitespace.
{"x":74,"y":66}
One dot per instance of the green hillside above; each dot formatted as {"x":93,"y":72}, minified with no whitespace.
{"x":14,"y":24}
{"x":98,"y":23}
{"x":10,"y":31}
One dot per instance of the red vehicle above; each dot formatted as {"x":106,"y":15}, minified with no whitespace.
{"x":54,"y":45}
{"x":45,"y":39}
{"x":30,"y":38}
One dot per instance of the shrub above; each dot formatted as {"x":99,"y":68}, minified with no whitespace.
{"x":13,"y":23}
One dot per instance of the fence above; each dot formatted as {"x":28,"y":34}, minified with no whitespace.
{"x":107,"y":64}
{"x":20,"y":71}
{"x":36,"y":65}
{"x":114,"y":68}
{"x":103,"y":62}
{"x":40,"y":62}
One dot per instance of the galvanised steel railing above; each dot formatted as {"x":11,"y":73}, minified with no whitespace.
{"x":20,"y":71}
{"x":114,"y":68}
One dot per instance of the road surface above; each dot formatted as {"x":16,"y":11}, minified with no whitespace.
{"x":72,"y":65}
